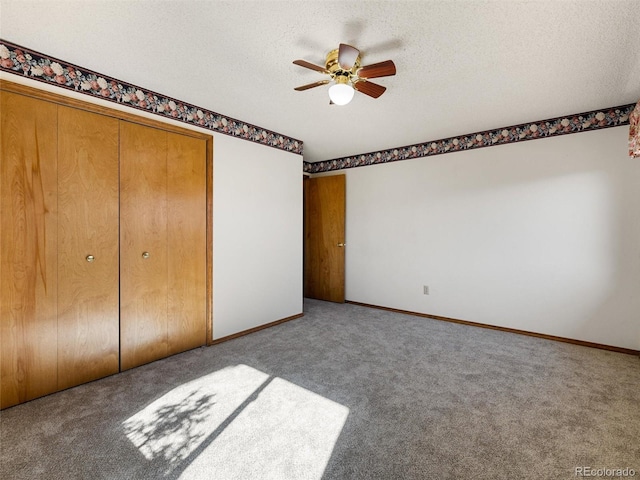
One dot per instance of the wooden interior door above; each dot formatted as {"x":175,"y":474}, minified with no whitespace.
{"x":28,"y":251}
{"x":324,"y":245}
{"x":186,"y":237}
{"x":143,"y":244}
{"x":88,"y":263}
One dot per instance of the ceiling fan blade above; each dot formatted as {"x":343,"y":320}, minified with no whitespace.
{"x":347,"y":56}
{"x":376,"y":70}
{"x":369,"y":88}
{"x":311,"y":85}
{"x":304,"y":63}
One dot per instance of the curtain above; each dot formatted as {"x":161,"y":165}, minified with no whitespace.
{"x":634,"y":132}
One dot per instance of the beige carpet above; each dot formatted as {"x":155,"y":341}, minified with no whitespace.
{"x":346,"y":392}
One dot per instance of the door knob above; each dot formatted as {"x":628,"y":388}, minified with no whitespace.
{"x":342,"y":244}
{"x":145,"y":255}
{"x":90,"y":258}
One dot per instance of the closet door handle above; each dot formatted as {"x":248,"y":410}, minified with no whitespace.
{"x":342,"y":244}
{"x":90,"y":258}
{"x":145,"y":255}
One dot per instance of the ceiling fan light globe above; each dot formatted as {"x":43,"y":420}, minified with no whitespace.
{"x":340,"y":93}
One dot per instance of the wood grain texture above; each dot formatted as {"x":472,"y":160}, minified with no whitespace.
{"x":186,"y":242}
{"x":167,"y":126}
{"x":29,"y":325}
{"x":324,"y":226}
{"x":8,"y":86}
{"x":88,"y":220}
{"x":143,"y":228}
{"x":28,"y":284}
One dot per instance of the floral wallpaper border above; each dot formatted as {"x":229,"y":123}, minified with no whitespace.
{"x":576,"y":123}
{"x":634,"y":132}
{"x":38,"y":66}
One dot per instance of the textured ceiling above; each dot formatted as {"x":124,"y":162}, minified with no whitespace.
{"x":463,"y":66}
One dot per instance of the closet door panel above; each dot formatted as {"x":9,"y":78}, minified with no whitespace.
{"x":187,"y":220}
{"x":28,"y":258}
{"x":88,"y":270}
{"x":143,"y":246}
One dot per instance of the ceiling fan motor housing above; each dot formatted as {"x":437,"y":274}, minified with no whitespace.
{"x":339,"y":74}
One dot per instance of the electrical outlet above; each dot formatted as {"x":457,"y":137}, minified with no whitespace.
{"x":425,"y":289}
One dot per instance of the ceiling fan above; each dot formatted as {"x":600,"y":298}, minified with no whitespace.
{"x":343,"y":66}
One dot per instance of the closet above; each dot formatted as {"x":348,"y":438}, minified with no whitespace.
{"x":105,"y":242}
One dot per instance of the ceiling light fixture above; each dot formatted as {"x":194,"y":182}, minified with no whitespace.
{"x":341,"y":92}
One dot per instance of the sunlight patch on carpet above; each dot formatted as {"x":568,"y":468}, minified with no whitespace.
{"x":239,"y":423}
{"x":174,"y":425}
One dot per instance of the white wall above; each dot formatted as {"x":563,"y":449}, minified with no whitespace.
{"x":257,"y":223}
{"x":542,"y":236}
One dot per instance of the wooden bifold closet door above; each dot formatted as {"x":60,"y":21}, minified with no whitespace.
{"x":59,"y":248}
{"x":88,"y":271}
{"x":105,"y":258}
{"x":28,"y":245}
{"x":162,"y":243}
